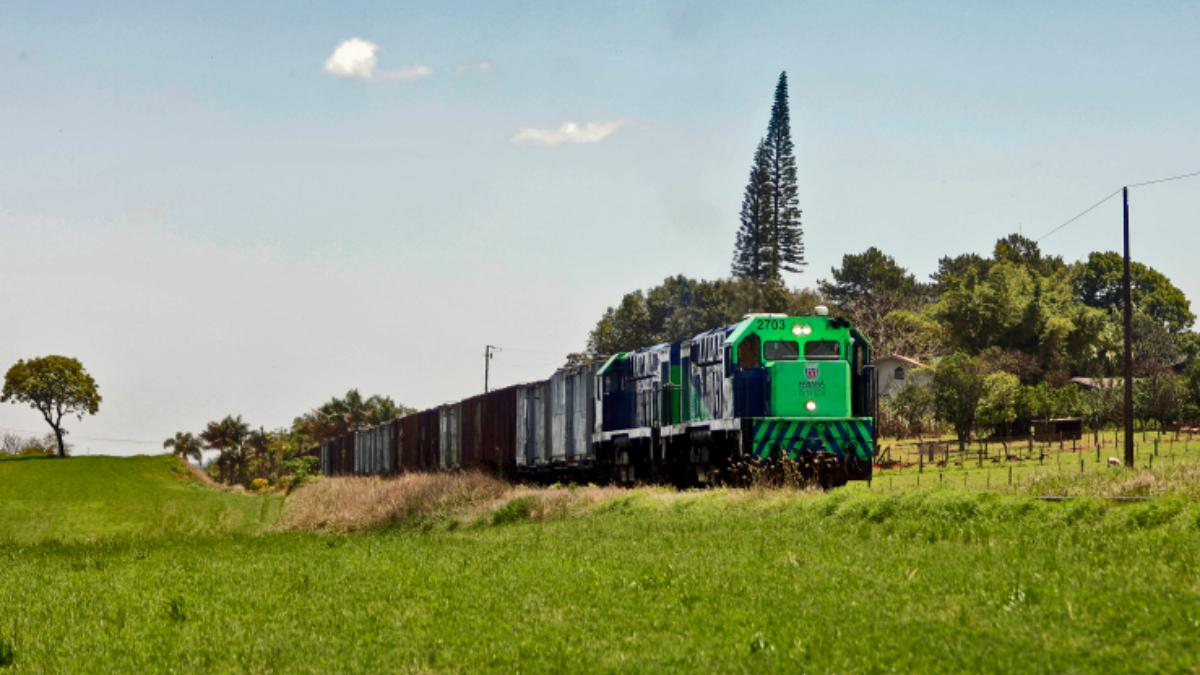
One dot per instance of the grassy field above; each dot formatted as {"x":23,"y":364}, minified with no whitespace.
{"x":1029,"y":468}
{"x":917,"y":580}
{"x":88,"y":498}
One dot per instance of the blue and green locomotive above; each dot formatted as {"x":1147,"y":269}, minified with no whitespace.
{"x":768,"y":388}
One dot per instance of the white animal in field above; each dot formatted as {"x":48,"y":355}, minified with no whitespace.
{"x":1113,"y":461}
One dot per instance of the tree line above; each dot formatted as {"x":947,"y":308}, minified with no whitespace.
{"x":1003,"y":334}
{"x":263,"y":459}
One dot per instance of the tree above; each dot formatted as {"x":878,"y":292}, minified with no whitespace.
{"x":957,"y":388}
{"x":227,"y":436}
{"x":681,"y":307}
{"x":185,"y":445}
{"x":1158,"y":398}
{"x":913,"y":405}
{"x":869,"y":286}
{"x":340,"y":416}
{"x":1098,"y":283}
{"x":999,"y":403}
{"x":753,"y":245}
{"x":787,"y":237}
{"x":1023,"y":251}
{"x":55,"y":386}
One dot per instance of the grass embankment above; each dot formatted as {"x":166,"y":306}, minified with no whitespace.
{"x":89,"y":498}
{"x":928,"y":580}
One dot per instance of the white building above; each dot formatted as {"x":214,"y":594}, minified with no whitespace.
{"x":893,"y":372}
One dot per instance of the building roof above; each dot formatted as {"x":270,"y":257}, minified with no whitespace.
{"x":1098,"y":382}
{"x":906,"y":359}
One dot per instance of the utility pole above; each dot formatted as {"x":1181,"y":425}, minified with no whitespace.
{"x":1128,"y":303}
{"x":487,"y":361}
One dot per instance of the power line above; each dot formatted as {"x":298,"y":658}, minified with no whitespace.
{"x":1164,"y":180}
{"x":82,"y":438}
{"x":1114,"y":194}
{"x":1080,"y":215}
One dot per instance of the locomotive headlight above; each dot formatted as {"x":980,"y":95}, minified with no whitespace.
{"x":801,"y":329}
{"x":811,"y":405}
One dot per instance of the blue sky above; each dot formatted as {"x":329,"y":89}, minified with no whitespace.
{"x":213,"y":222}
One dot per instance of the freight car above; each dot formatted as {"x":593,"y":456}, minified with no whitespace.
{"x":766,"y":388}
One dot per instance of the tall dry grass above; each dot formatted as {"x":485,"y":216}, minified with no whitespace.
{"x":349,"y":504}
{"x":345,"y":504}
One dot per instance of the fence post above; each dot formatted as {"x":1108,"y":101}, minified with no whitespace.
{"x":1080,"y":465}
{"x":1010,"y":475}
{"x":1156,"y":447}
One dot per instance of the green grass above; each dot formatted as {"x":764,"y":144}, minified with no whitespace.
{"x":924,"y":580}
{"x":88,"y":498}
{"x":1030,"y":469}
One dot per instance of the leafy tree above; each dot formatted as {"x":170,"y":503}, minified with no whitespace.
{"x":228,"y":436}
{"x":1000,"y":402}
{"x":1191,"y":389}
{"x":913,"y":405}
{"x":1098,"y":283}
{"x":1024,"y":252}
{"x":869,"y":286}
{"x":953,"y":271}
{"x":753,"y":247}
{"x":340,"y":416}
{"x":787,"y":250}
{"x":185,"y":445}
{"x":912,"y":333}
{"x":957,"y":388}
{"x":55,"y":386}
{"x":681,"y":307}
{"x":1154,"y":348}
{"x":1158,"y":398}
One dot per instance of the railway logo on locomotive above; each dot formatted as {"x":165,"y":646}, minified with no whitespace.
{"x":812,"y":372}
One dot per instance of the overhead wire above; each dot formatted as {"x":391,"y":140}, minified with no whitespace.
{"x":1114,"y":193}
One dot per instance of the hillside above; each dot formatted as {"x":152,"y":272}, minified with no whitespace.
{"x":88,"y":498}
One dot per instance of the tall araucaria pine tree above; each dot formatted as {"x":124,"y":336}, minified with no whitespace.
{"x":787,"y":234}
{"x":753,"y":247}
{"x":770,"y":240}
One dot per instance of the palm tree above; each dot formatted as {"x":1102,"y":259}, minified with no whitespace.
{"x":185,"y":445}
{"x":228,"y":436}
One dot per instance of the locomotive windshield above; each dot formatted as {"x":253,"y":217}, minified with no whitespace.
{"x":821,"y":349}
{"x":781,"y":350}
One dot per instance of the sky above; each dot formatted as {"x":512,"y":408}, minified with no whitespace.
{"x":248,"y":208}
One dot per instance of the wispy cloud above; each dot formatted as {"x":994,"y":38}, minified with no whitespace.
{"x":569,"y":132}
{"x":358,"y":58}
{"x":406,"y":73}
{"x":478,"y":65}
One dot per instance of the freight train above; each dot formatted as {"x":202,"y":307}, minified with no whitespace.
{"x":770,"y":387}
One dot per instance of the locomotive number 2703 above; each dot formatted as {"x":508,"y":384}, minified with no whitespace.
{"x":770,"y":324}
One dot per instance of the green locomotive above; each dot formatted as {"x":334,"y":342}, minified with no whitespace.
{"x":766,"y":388}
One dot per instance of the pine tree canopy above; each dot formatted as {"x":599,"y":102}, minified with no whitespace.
{"x":770,"y":238}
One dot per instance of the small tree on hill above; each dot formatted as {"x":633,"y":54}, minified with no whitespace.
{"x":55,"y":386}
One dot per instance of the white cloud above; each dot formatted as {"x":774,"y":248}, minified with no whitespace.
{"x":480,"y":65}
{"x":569,"y":132}
{"x":353,"y":58}
{"x":357,"y":58}
{"x":406,"y":73}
